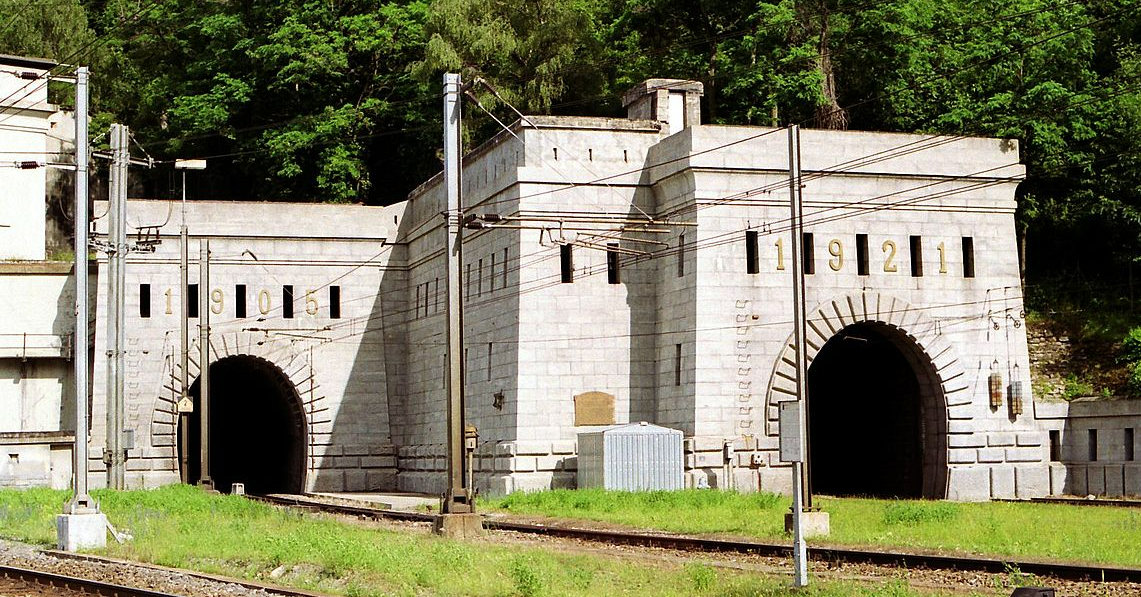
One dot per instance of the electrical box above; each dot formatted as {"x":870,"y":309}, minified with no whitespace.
{"x":635,"y":457}
{"x":791,"y":442}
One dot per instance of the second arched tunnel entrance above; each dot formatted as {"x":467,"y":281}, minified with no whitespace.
{"x":257,"y":428}
{"x":875,"y":421}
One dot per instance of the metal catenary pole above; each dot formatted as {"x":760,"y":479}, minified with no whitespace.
{"x":113,"y":455}
{"x":799,"y":548}
{"x":456,"y":499}
{"x":81,"y":502}
{"x":204,"y":360}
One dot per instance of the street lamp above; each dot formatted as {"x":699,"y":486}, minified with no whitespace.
{"x":185,"y":406}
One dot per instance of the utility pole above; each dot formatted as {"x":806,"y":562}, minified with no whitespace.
{"x":82,"y":525}
{"x":457,"y":508}
{"x":204,"y":361}
{"x":799,"y":547}
{"x":456,"y":500}
{"x":114,"y":455}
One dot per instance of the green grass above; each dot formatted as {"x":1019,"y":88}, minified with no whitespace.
{"x":183,"y":527}
{"x":1017,"y":530}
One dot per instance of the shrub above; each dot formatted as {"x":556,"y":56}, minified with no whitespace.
{"x":1131,"y":346}
{"x":525,"y":576}
{"x":703,"y":577}
{"x":1135,"y":378}
{"x":1076,"y":388}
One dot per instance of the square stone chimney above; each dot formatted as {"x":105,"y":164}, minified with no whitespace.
{"x":675,"y":102}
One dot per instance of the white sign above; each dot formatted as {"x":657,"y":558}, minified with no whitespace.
{"x":185,"y":405}
{"x":791,"y":443}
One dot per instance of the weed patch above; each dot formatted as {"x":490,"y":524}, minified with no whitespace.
{"x":913,"y":513}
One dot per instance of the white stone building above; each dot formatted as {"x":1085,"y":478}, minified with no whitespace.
{"x":615,"y":270}
{"x":36,"y":408}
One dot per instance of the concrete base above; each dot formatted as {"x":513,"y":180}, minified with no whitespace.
{"x":81,"y":531}
{"x":814,"y":524}
{"x":458,"y":526}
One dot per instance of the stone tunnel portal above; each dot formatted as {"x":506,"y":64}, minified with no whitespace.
{"x":257,"y":428}
{"x":876,"y":417}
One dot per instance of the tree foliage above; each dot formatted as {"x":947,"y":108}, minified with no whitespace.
{"x":338,"y":100}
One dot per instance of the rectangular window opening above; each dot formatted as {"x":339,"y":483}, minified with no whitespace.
{"x":504,"y":285}
{"x":192,"y":301}
{"x":334,"y":302}
{"x":479,"y":279}
{"x":489,"y":361}
{"x":1093,"y":445}
{"x":240,"y":300}
{"x":469,"y":281}
{"x":613,"y":274}
{"x":808,"y":254}
{"x":418,"y":287}
{"x":916,"y":243}
{"x":436,"y":296}
{"x":862,"y":260}
{"x":677,"y":364}
{"x":680,"y":255}
{"x":144,"y":300}
{"x":287,"y":301}
{"x":566,"y":263}
{"x":752,"y":256}
{"x":968,"y":257}
{"x":491,"y":274}
{"x":1055,"y":445}
{"x":1129,"y":444}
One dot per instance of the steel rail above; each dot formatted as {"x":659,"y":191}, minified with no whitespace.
{"x":903,"y":559}
{"x":76,"y":584}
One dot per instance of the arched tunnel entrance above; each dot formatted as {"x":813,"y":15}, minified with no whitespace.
{"x":257,"y":428}
{"x":876,"y":416}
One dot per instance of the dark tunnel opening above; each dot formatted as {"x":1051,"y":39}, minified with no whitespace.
{"x":866,"y":416}
{"x":257,"y":428}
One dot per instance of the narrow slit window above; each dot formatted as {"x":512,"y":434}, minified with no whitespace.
{"x":418,"y":290}
{"x":752,"y":256}
{"x":489,"y":361}
{"x":680,"y":255}
{"x":862,"y":260}
{"x":287,"y":301}
{"x":613,"y":274}
{"x":239,"y":300}
{"x":192,"y":301}
{"x":1055,"y":445}
{"x":504,"y":285}
{"x":808,"y":254}
{"x":968,"y":257}
{"x":916,"y":243}
{"x":1093,"y":445}
{"x":677,"y":364}
{"x":469,"y":281}
{"x":144,"y":300}
{"x":566,"y":263}
{"x":334,"y":302}
{"x":1129,"y":444}
{"x":491,"y":274}
{"x":479,"y":279}
{"x":436,"y":296}
{"x":425,"y":299}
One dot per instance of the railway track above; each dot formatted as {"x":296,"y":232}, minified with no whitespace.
{"x":902,"y":559}
{"x":48,"y":583}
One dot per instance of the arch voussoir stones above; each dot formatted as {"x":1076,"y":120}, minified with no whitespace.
{"x":832,"y":316}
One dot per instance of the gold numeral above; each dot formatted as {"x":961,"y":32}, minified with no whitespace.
{"x":780,"y":253}
{"x":942,"y":259}
{"x":264,"y":302}
{"x":836,"y":250}
{"x":889,"y":248}
{"x":169,"y":309}
{"x":310,"y":303}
